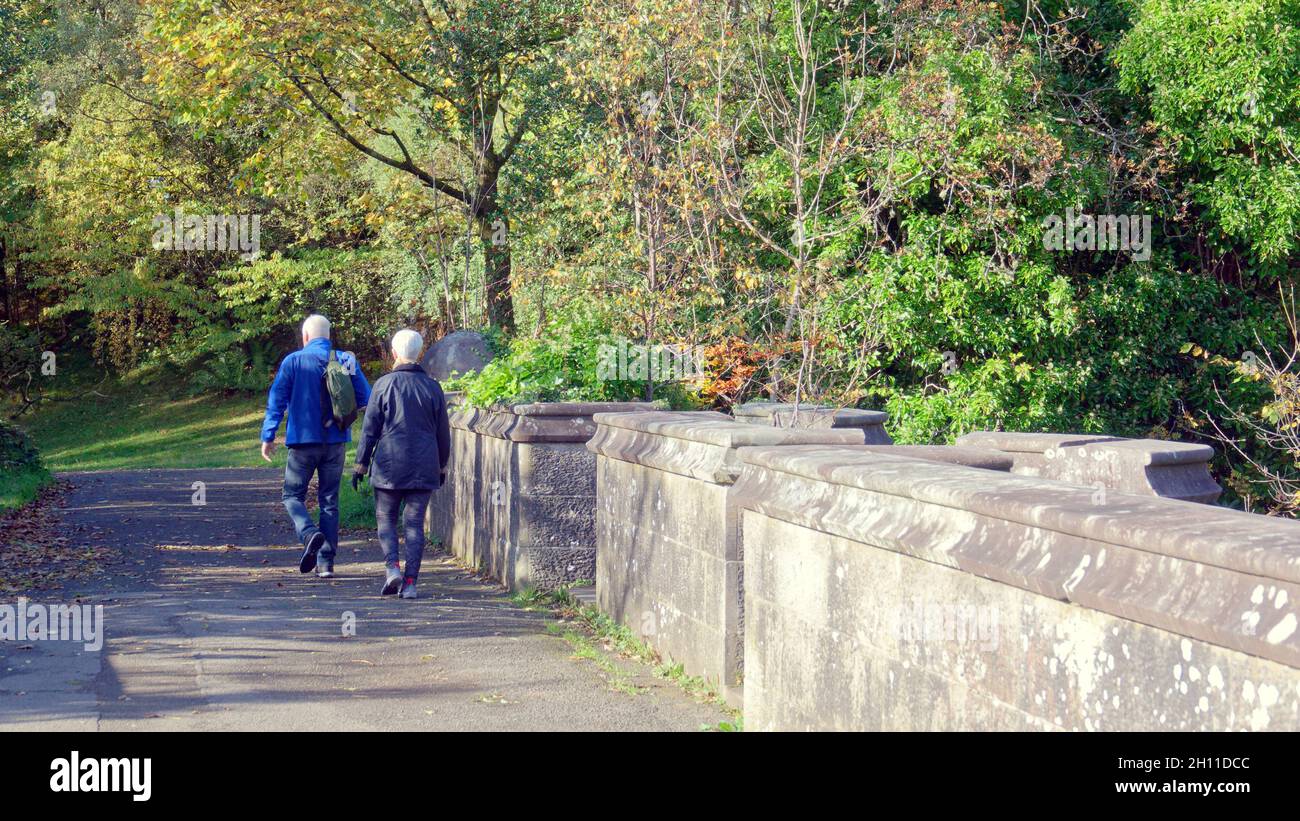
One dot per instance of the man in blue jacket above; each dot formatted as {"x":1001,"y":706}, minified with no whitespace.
{"x":316,"y":445}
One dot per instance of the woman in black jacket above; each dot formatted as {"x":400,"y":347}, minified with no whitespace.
{"x":405,"y":443}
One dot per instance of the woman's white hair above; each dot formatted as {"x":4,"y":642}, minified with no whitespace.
{"x":407,"y":346}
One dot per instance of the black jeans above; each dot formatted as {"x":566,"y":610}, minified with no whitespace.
{"x":387,"y":503}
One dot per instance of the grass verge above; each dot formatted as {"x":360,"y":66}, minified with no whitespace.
{"x":18,"y":488}
{"x":129,"y":424}
{"x":589,"y":631}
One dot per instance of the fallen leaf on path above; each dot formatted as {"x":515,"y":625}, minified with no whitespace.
{"x":34,"y":552}
{"x":494,"y":698}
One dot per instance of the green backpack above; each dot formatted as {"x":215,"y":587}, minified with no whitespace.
{"x":338,"y":387}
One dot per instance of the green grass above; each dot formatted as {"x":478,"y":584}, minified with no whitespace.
{"x":584,"y":647}
{"x":130,"y":424}
{"x":20,"y":487}
{"x":356,"y":509}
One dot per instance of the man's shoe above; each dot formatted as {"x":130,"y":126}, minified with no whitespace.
{"x":393,"y":581}
{"x":325,"y":570}
{"x":314,"y":544}
{"x":408,"y":589}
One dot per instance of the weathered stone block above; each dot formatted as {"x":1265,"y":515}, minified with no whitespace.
{"x":887,"y":593}
{"x":521,"y":494}
{"x":1148,"y":467}
{"x":815,"y":417}
{"x":668,"y":561}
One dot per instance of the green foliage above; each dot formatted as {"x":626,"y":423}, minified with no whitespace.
{"x":20,"y":351}
{"x":22,"y":472}
{"x":17,"y":452}
{"x":563,"y":365}
{"x":366,"y":294}
{"x":918,"y":282}
{"x":231,"y":371}
{"x":1121,"y":373}
{"x":1222,"y":79}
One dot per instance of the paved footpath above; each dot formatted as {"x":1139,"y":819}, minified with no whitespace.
{"x":210,"y":627}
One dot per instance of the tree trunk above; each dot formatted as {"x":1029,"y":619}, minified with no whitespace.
{"x":4,"y":280}
{"x":493,"y":233}
{"x":495,"y":242}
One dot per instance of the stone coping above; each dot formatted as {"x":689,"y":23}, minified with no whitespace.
{"x":984,"y":458}
{"x":555,"y":422}
{"x":842,"y":417}
{"x":1227,"y":577}
{"x":1157,"y":452}
{"x":698,"y":444}
{"x":1156,"y":467}
{"x":1015,"y":442}
{"x":578,"y":408}
{"x":1150,"y":451}
{"x":718,"y":429}
{"x":1263,"y":546}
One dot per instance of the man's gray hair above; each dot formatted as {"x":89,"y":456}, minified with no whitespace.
{"x":407,"y":345}
{"x":316,"y":327}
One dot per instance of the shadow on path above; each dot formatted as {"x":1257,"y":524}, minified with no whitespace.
{"x":210,"y":626}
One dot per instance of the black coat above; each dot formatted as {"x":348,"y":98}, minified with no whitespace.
{"x":405,"y":438}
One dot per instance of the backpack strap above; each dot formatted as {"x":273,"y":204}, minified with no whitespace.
{"x":327,"y":403}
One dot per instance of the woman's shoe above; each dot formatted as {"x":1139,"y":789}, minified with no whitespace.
{"x":393,"y":581}
{"x":408,"y":589}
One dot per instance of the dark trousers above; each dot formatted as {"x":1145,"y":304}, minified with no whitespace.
{"x":387,"y":503}
{"x":326,"y":461}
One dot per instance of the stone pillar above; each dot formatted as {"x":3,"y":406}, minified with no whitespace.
{"x":1148,"y":467}
{"x":668,"y":560}
{"x":522,"y":492}
{"x":815,"y":417}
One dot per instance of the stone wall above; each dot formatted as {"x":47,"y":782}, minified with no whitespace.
{"x":669,"y":561}
{"x":884,"y":592}
{"x":1018,"y":581}
{"x":520,"y":500}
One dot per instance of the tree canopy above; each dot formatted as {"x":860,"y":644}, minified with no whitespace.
{"x":857,"y":202}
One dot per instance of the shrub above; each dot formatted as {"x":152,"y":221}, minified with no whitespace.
{"x":232,"y":371}
{"x":562,"y":366}
{"x":17,"y":453}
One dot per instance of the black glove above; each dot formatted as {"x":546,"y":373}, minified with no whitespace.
{"x":358,"y":473}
